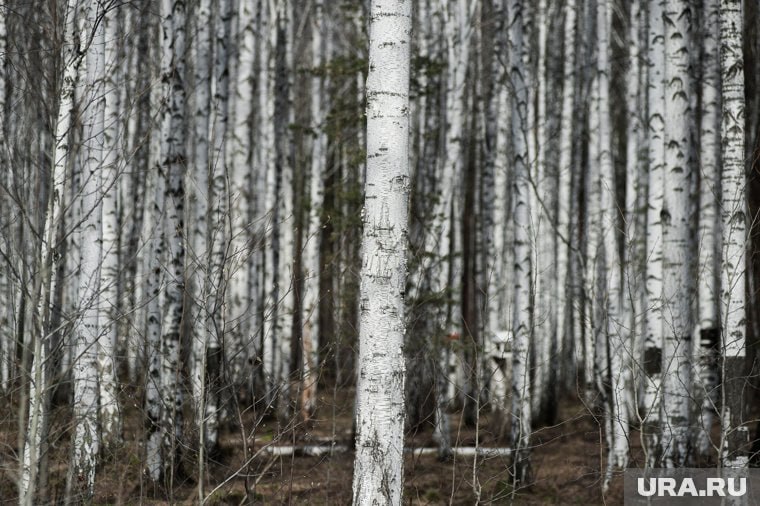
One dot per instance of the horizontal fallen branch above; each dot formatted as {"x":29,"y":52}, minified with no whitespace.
{"x":318,"y":450}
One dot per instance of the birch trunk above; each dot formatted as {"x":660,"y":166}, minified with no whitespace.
{"x":50,"y":255}
{"x":378,"y":464}
{"x":610,"y":299}
{"x":734,"y":432}
{"x":199,"y":230}
{"x":522,"y":322}
{"x":709,"y":232}
{"x":87,"y":328}
{"x":565,"y":177}
{"x":284,"y":242}
{"x":654,"y":326}
{"x":676,"y":215}
{"x":218,"y":233}
{"x":243,"y":313}
{"x":172,"y":166}
{"x":320,"y":47}
{"x":109,"y":270}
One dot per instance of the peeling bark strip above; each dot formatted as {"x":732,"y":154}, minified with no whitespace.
{"x":734,"y":434}
{"x":378,"y":465}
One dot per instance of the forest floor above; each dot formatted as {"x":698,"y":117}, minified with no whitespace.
{"x":566,"y":459}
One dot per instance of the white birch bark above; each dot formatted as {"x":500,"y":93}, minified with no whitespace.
{"x":545,"y":328}
{"x":734,"y":432}
{"x":6,"y":333}
{"x":634,"y":292}
{"x":709,"y":232}
{"x":442,"y":241}
{"x":654,"y":241}
{"x":378,"y":464}
{"x":87,"y":329}
{"x":678,"y":286}
{"x":613,"y":328}
{"x":320,"y":48}
{"x":50,"y":255}
{"x":268,"y":34}
{"x":154,"y":230}
{"x":199,"y":229}
{"x":110,"y":419}
{"x":285,"y":239}
{"x":243,"y":316}
{"x":522,"y":323}
{"x":172,"y":165}
{"x":497,"y":258}
{"x":564,"y":178}
{"x":218,"y":233}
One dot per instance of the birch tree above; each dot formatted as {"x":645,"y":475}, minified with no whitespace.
{"x":321,"y":48}
{"x":708,"y":274}
{"x":734,"y":433}
{"x":653,"y":315}
{"x":378,"y":464}
{"x":172,"y":168}
{"x":109,"y":269}
{"x":87,"y":329}
{"x":609,"y":299}
{"x":677,"y":289}
{"x":50,"y":255}
{"x":522,"y":323}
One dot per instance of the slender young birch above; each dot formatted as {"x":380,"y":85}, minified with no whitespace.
{"x":709,"y":232}
{"x":50,"y":254}
{"x":441,"y":241}
{"x":218,"y":234}
{"x":268,"y":174}
{"x":653,"y":315}
{"x":378,"y":465}
{"x":678,"y":287}
{"x":609,"y":300}
{"x":521,"y":326}
{"x":109,"y":270}
{"x":242,"y":301}
{"x":635,"y":194}
{"x":199,"y":229}
{"x":284,"y":241}
{"x":320,"y":54}
{"x":565,"y":177}
{"x":544,"y":232}
{"x":87,"y":328}
{"x":6,"y":334}
{"x":172,"y":165}
{"x":496,"y":199}
{"x":734,"y":432}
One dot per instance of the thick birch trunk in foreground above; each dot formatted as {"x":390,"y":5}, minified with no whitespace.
{"x":378,"y":465}
{"x":734,"y":433}
{"x":676,"y":214}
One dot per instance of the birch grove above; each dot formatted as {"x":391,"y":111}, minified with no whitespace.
{"x":460,"y":251}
